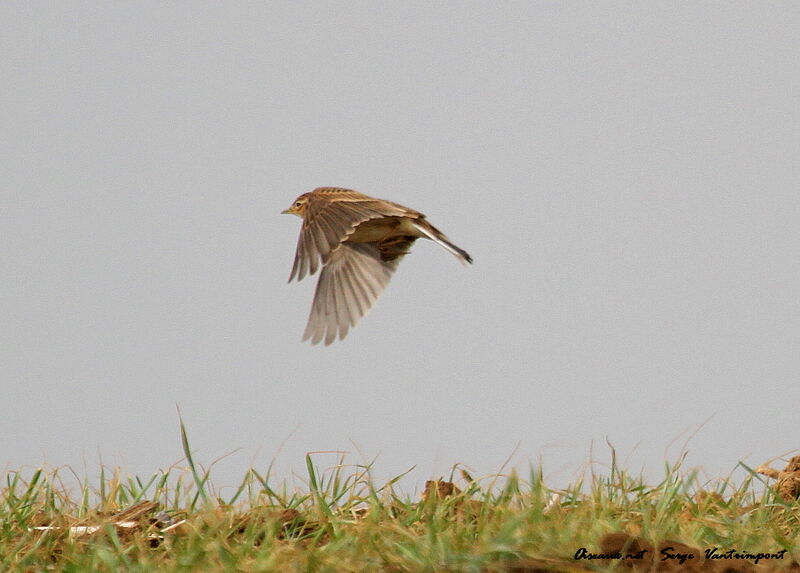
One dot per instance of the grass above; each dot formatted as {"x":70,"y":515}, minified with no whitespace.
{"x":342,"y":521}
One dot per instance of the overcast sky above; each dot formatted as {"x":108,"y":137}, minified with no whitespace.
{"x":624,"y":174}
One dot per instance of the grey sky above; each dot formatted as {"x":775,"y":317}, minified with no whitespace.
{"x":625,"y":175}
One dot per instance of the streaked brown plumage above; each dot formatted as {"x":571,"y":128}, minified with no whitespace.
{"x":358,"y":241}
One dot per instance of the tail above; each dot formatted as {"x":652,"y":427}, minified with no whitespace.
{"x":437,"y":236}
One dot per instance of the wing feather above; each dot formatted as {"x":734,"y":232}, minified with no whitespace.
{"x":338,"y":318}
{"x":349,"y":284}
{"x":360,"y":301}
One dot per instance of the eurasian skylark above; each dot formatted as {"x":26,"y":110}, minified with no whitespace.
{"x":358,"y":241}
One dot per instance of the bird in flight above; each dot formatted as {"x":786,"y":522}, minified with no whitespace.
{"x":358,"y":241}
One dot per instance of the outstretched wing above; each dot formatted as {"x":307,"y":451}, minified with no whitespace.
{"x":331,"y":215}
{"x":348,"y":287}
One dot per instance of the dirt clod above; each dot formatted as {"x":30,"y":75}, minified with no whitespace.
{"x":439,"y":489}
{"x":788,"y":484}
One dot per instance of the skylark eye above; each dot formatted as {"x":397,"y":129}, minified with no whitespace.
{"x":297,"y":204}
